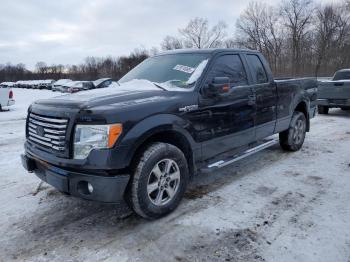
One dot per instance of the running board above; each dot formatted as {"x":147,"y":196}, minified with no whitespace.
{"x":249,"y":152}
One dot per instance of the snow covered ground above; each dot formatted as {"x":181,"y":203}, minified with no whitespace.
{"x":273,"y":206}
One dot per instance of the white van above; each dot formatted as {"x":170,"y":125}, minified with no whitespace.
{"x":6,"y":96}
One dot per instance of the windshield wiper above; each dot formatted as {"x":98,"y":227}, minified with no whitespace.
{"x":159,"y":86}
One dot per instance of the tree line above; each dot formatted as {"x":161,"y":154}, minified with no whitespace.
{"x":298,"y":37}
{"x":91,"y":69}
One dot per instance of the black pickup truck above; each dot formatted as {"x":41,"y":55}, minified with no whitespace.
{"x":172,"y":116}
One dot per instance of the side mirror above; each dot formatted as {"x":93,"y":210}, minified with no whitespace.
{"x":218,"y":86}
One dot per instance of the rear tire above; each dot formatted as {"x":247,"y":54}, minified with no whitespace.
{"x":323,"y":110}
{"x":293,"y":138}
{"x":159,"y":181}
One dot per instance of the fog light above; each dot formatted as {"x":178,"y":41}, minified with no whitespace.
{"x":85,"y":188}
{"x":90,"y":188}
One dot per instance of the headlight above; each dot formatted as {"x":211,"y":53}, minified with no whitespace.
{"x":88,"y":137}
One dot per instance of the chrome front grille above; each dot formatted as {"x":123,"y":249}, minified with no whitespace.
{"x":47,"y":131}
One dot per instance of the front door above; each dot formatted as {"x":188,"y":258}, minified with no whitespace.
{"x":228,"y":119}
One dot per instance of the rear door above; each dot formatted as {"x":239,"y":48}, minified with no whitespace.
{"x":265,"y":93}
{"x":227,"y":120}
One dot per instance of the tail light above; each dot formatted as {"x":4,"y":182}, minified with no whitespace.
{"x":10,"y":94}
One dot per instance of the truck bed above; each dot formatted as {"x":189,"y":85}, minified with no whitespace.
{"x":308,"y":84}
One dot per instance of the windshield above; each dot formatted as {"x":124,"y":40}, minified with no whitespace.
{"x":78,"y":84}
{"x":70,"y":84}
{"x":173,"y":70}
{"x":342,"y":75}
{"x":99,"y":81}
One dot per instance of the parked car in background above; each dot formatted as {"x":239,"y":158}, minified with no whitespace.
{"x":18,"y":84}
{"x":6,"y":96}
{"x":64,"y":88}
{"x":28,"y":84}
{"x":8,"y":84}
{"x":334,"y":93}
{"x":35,"y":84}
{"x":57,"y":86}
{"x":87,"y":85}
{"x":102,"y":82}
{"x":78,"y":86}
{"x":46,"y":84}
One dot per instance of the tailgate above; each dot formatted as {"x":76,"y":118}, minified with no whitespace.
{"x":334,"y":90}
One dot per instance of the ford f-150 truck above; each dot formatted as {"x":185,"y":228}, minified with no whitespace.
{"x":334,"y":93}
{"x":176,"y":114}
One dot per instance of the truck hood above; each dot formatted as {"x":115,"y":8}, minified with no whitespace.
{"x":128,"y":94}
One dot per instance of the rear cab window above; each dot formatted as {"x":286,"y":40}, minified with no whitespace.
{"x":342,"y":75}
{"x":257,"y":69}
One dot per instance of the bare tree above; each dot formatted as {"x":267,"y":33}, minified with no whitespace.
{"x":347,"y":4}
{"x":327,"y":28}
{"x":298,"y":37}
{"x":259,"y":27}
{"x":231,"y":43}
{"x":197,"y":34}
{"x":298,"y":16}
{"x":41,"y":67}
{"x":171,"y":42}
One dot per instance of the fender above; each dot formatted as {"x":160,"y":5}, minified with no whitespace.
{"x":150,"y":126}
{"x":302,"y":98}
{"x":298,"y":95}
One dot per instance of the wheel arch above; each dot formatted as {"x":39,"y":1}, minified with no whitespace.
{"x":302,"y":107}
{"x":169,"y":136}
{"x":166,"y":129}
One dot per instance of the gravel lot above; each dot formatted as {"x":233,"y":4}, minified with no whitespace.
{"x":273,"y":206}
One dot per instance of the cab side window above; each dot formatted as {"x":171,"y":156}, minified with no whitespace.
{"x":258,"y":70}
{"x":230,"y":66}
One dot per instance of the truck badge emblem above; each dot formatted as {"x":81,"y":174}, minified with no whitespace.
{"x":188,"y":108}
{"x":40,"y":131}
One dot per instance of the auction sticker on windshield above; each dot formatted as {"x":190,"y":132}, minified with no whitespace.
{"x":185,"y":69}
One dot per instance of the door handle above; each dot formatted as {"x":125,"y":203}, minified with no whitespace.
{"x":251,"y":100}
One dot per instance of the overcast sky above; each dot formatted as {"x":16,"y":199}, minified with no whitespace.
{"x":67,"y":31}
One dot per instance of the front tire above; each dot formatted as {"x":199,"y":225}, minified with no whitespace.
{"x":159,"y":181}
{"x":323,"y":110}
{"x":293,"y":138}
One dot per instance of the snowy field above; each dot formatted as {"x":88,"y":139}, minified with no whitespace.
{"x":273,"y":206}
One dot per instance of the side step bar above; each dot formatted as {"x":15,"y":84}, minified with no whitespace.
{"x":251,"y":151}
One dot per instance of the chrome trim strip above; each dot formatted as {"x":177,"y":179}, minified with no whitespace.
{"x":39,"y":137}
{"x":47,"y":124}
{"x":53,"y":120}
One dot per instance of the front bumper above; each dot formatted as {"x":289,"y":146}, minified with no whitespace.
{"x":333,"y":102}
{"x":108,"y":189}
